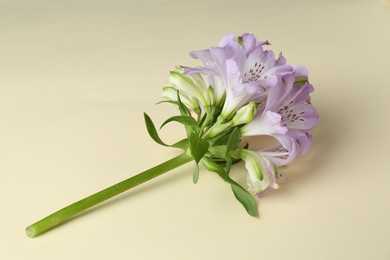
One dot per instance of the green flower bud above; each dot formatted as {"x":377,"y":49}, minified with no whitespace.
{"x":245,"y":114}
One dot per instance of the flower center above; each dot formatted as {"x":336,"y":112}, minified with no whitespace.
{"x":289,"y":115}
{"x":254,"y":73}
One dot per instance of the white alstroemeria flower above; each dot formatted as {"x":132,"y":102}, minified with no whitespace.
{"x":170,"y":93}
{"x":261,"y":171}
{"x":192,"y":86}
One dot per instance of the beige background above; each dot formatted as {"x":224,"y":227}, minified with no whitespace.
{"x":75,"y":77}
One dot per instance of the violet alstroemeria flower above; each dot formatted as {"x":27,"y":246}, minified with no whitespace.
{"x":238,"y":70}
{"x":293,"y":117}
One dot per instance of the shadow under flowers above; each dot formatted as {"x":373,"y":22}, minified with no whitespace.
{"x":326,"y":136}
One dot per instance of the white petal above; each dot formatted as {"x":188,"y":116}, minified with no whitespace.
{"x":266,"y":124}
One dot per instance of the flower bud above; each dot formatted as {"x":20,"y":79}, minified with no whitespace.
{"x":245,"y":114}
{"x":218,"y":128}
{"x":170,"y":93}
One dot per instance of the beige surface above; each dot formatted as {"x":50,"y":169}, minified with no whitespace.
{"x":75,"y":77}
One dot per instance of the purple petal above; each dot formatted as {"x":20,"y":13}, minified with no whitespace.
{"x":228,"y":40}
{"x":300,"y":71}
{"x":278,"y":70}
{"x":203,"y":55}
{"x":267,"y":124}
{"x":281,"y":60}
{"x":301,"y":117}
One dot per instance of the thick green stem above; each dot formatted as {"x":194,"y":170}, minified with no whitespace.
{"x":72,"y":210}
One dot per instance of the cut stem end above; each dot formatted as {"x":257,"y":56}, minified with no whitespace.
{"x":31,"y":231}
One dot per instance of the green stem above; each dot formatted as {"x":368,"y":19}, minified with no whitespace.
{"x":72,"y":210}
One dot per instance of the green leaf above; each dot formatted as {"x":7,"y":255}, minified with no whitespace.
{"x":182,"y":144}
{"x":195,"y":175}
{"x":245,"y":198}
{"x":228,"y":165}
{"x":152,"y":130}
{"x":198,"y":146}
{"x":203,"y":119}
{"x":233,"y":141}
{"x":167,"y":101}
{"x":184,"y":111}
{"x":218,"y":151}
{"x":185,"y":120}
{"x":214,"y":167}
{"x":242,"y":195}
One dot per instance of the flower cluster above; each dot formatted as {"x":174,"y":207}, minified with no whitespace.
{"x":242,"y":88}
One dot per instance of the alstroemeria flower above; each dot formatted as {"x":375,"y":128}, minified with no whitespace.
{"x":237,"y":69}
{"x":193,"y":91}
{"x":262,"y":172}
{"x":289,"y":108}
{"x":288,"y":149}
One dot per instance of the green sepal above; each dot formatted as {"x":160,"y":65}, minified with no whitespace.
{"x":240,"y":40}
{"x":185,"y":120}
{"x":300,"y":80}
{"x":152,"y":130}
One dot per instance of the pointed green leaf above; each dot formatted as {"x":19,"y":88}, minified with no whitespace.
{"x":195,"y":176}
{"x":182,"y":144}
{"x":198,"y":146}
{"x":184,"y":111}
{"x":202,"y":119}
{"x":245,"y":198}
{"x":228,"y":165}
{"x":167,"y":101}
{"x":214,"y":167}
{"x":152,"y":130}
{"x":233,"y":141}
{"x":185,"y":120}
{"x":242,"y":195}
